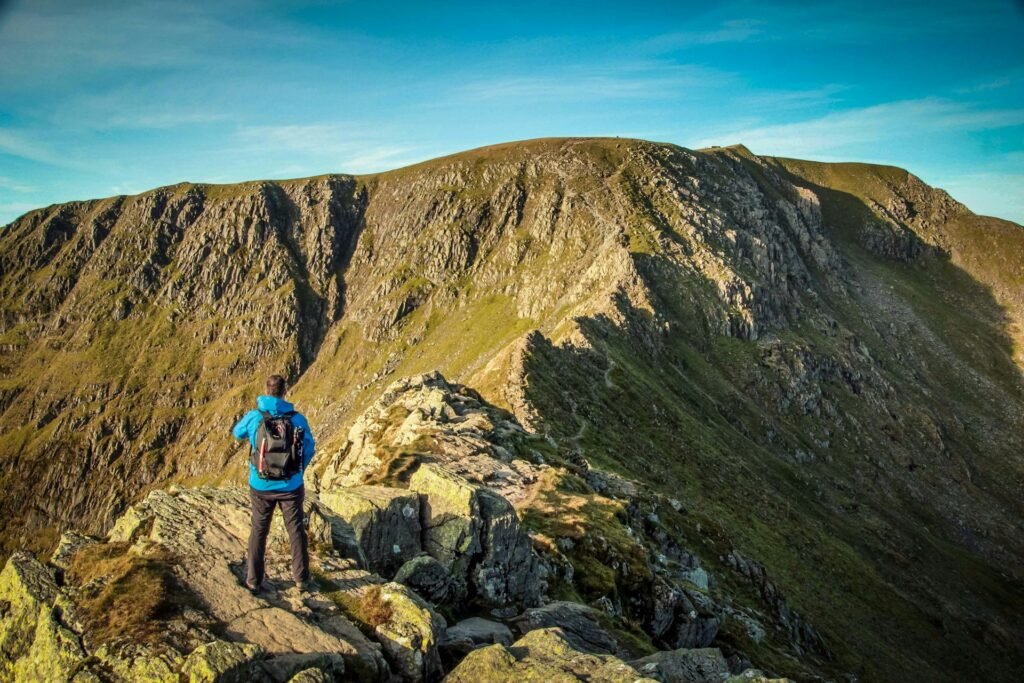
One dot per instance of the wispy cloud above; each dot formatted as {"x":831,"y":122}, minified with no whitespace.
{"x":867,"y":126}
{"x":733,"y":31}
{"x":626,"y":81}
{"x":350,"y":148}
{"x":759,"y":100}
{"x":15,"y":186}
{"x":19,"y":144}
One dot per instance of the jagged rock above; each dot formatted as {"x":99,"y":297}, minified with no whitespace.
{"x":410,"y":636}
{"x":385,"y":521}
{"x":427,"y":576}
{"x":705,"y":665}
{"x":481,"y":631}
{"x":407,"y":627}
{"x":580,"y":625}
{"x":680,"y":617}
{"x":224,"y":662}
{"x":70,"y":543}
{"x":430,"y":419}
{"x":451,"y":519}
{"x":471,"y":634}
{"x":311,"y":676}
{"x":127,"y":526}
{"x":542,"y":655}
{"x":475,"y":534}
{"x":55,"y":653}
{"x":27,"y":590}
{"x":129,"y":661}
{"x":509,"y":572}
{"x":802,"y":634}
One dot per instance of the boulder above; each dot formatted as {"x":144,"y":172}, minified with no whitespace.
{"x":542,"y":655}
{"x":475,"y":534}
{"x":70,"y":543}
{"x":386,"y":523}
{"x":312,"y":676}
{"x":55,"y":653}
{"x":481,"y":632}
{"x":27,"y":590}
{"x":509,"y":571}
{"x":450,"y":515}
{"x":579,"y":624}
{"x":132,"y":661}
{"x":407,"y":628}
{"x":702,"y":665}
{"x":427,"y":576}
{"x":224,"y":662}
{"x":681,"y":617}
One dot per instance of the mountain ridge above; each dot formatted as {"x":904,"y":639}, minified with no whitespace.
{"x":737,"y":327}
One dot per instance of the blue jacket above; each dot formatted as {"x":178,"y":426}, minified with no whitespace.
{"x":246,"y":429}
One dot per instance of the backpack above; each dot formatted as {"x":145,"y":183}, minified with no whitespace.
{"x":277,"y":453}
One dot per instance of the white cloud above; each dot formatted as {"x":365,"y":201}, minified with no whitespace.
{"x":348,"y":148}
{"x":18,"y":144}
{"x":626,"y":81}
{"x":15,"y":186}
{"x":733,"y":31}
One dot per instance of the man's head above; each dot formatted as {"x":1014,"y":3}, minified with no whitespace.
{"x":276,"y":386}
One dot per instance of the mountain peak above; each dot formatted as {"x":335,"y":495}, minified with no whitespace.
{"x":703,"y":398}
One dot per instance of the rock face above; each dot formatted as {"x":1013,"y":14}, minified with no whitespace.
{"x":475,"y":534}
{"x":386,"y":522}
{"x":578,"y":623}
{"x":684,"y":666}
{"x":675,"y":355}
{"x":268,"y":638}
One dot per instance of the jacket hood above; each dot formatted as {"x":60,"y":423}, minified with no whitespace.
{"x":273,"y":404}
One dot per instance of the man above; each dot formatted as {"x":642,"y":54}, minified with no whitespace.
{"x":270,"y":485}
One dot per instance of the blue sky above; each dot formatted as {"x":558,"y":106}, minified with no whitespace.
{"x":100,"y":98}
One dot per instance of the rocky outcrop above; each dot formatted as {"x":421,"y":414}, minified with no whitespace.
{"x":428,"y":419}
{"x":476,"y":536}
{"x":805,"y":638}
{"x":684,"y":666}
{"x":385,"y":521}
{"x":579,"y":624}
{"x":269,"y":636}
{"x":428,"y":577}
{"x":543,"y":655}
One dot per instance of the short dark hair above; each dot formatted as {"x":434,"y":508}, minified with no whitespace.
{"x":276,"y":385}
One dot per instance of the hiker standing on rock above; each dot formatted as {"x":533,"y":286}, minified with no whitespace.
{"x":281,"y":446}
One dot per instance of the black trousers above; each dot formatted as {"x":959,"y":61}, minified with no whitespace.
{"x":263,"y":504}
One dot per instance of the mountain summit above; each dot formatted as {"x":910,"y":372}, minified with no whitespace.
{"x":690,"y":411}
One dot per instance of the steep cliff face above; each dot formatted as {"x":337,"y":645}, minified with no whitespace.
{"x":819,"y":363}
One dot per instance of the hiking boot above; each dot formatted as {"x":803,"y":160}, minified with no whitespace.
{"x":254,"y":589}
{"x":307,"y":586}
